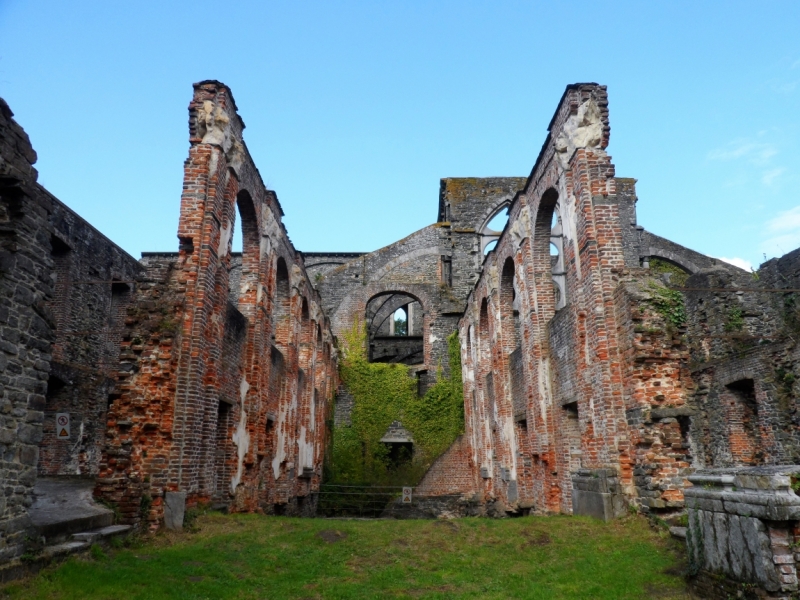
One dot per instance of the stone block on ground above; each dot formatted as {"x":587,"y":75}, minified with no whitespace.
{"x":174,"y":510}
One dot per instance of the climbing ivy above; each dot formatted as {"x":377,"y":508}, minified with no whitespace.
{"x":668,"y":303}
{"x":437,"y":418}
{"x":385,"y":392}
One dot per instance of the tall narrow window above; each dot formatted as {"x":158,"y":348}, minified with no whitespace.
{"x":401,"y":321}
{"x":62,"y":266}
{"x":447,"y":271}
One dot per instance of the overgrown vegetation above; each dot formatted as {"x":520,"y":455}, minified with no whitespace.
{"x":735,"y":320}
{"x":252,"y":557}
{"x":786,"y":378}
{"x":677,"y":276}
{"x":384,"y":393}
{"x":668,"y":303}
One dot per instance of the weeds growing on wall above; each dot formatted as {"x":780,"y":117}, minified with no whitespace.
{"x":385,"y":392}
{"x":735,"y":320}
{"x":668,"y":303}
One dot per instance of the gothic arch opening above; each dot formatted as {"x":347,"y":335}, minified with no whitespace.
{"x":244,"y":263}
{"x":394,"y":323}
{"x":282,"y":305}
{"x":512,"y":337}
{"x":245,"y":287}
{"x":549,"y":270}
{"x":492,"y":227}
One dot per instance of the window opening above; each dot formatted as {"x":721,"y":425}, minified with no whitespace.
{"x":498,"y":222}
{"x":493,"y":229}
{"x":400,"y":453}
{"x":237,"y":244}
{"x":557,"y":266}
{"x":447,"y":271}
{"x":401,"y":321}
{"x":744,"y":437}
{"x":395,"y":328}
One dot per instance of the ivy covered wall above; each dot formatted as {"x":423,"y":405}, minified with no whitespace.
{"x":386,"y":392}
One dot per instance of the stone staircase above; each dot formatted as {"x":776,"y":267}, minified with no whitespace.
{"x":83,"y":540}
{"x":67,"y":518}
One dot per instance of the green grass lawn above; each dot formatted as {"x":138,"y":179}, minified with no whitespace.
{"x":251,"y":556}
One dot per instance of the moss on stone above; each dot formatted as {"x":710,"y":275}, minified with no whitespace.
{"x":677,"y":275}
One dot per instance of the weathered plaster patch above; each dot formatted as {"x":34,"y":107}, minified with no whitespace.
{"x":520,"y":228}
{"x":280,"y":449}
{"x":214,"y":125}
{"x":543,"y":378}
{"x":236,"y":156}
{"x":492,"y":278}
{"x":241,"y":437}
{"x":225,"y":239}
{"x":581,"y":130}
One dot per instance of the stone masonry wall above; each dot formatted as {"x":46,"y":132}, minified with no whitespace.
{"x":65,"y":290}
{"x":26,"y":330}
{"x":436,"y":266}
{"x":513,"y":305}
{"x":94,"y":284}
{"x":611,"y":382}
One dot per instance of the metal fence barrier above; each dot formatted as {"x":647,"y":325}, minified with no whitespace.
{"x":366,"y":501}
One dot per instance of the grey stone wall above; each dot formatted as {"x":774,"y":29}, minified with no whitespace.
{"x":26,"y":330}
{"x":742,"y":526}
{"x":319,"y":263}
{"x":742,"y":337}
{"x":64,"y":289}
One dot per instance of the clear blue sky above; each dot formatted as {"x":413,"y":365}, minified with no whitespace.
{"x":354,"y":110}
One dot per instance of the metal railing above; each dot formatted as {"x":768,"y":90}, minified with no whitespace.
{"x":364,"y":501}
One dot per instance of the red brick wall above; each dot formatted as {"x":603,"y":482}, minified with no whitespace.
{"x":451,"y":473}
{"x":197,"y":350}
{"x":585,"y":367}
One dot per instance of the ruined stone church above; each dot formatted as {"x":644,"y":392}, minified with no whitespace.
{"x":604,"y":368}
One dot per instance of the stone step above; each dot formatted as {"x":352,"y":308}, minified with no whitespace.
{"x":82,"y":541}
{"x":64,"y":505}
{"x":678,"y":532}
{"x":64,"y":549}
{"x":98,"y":534}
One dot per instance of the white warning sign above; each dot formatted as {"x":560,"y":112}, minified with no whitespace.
{"x":62,"y":426}
{"x":406,"y":495}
